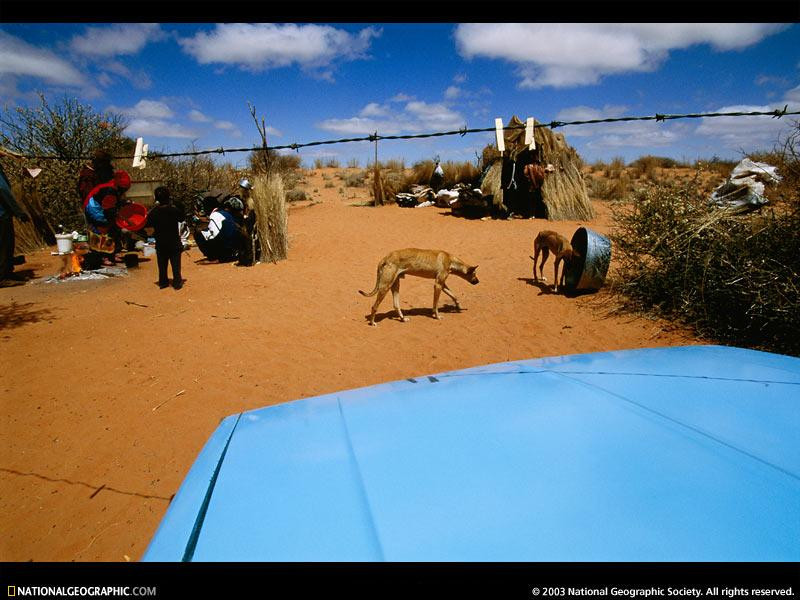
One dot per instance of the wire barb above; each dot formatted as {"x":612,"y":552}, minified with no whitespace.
{"x":779,"y":113}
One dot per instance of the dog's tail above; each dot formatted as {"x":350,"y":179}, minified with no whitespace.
{"x":374,"y":291}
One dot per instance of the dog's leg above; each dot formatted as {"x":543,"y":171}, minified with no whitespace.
{"x":558,"y":261}
{"x":381,"y":295}
{"x":545,"y":256}
{"x":536,"y":250}
{"x":447,"y":291}
{"x":437,"y":289}
{"x":396,"y":300}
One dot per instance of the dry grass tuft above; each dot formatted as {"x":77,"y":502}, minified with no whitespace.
{"x":269,"y":201}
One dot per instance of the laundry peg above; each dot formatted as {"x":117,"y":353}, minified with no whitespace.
{"x":498,"y":129}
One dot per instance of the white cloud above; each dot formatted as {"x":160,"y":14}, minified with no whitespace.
{"x":636,"y":134}
{"x":272,"y":131}
{"x":140,"y":79}
{"x":359,"y":125}
{"x":770,"y":80}
{"x":159,"y":128}
{"x":260,"y":46}
{"x":104,"y":79}
{"x":18,"y":58}
{"x":452,"y":92}
{"x":414,"y":117}
{"x":116,"y":40}
{"x":198,"y":117}
{"x":434,"y":116}
{"x":229,"y":127}
{"x":149,"y":117}
{"x":793,"y":95}
{"x":748,"y":132}
{"x":567,"y":55}
{"x":145,"y":109}
{"x":373,"y":109}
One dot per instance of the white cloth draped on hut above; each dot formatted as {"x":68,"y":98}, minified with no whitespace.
{"x":562,"y":195}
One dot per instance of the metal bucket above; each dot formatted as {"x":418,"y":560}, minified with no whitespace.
{"x":588,"y":272}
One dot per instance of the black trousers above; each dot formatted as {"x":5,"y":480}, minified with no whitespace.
{"x":172,"y":256}
{"x":6,"y":245}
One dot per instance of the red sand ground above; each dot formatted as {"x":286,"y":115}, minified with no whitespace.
{"x":110,"y":388}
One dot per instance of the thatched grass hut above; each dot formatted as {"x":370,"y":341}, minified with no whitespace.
{"x":563,"y":194}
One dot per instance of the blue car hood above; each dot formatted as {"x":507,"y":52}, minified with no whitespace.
{"x":669,"y":454}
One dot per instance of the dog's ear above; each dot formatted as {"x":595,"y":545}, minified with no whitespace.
{"x":473,"y":269}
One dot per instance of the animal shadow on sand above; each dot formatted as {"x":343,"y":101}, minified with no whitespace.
{"x":544,"y":288}
{"x":547,"y":288}
{"x":414,"y":312}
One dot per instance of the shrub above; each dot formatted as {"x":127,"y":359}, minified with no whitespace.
{"x":353,"y":163}
{"x":601,"y":188}
{"x":463,"y":172}
{"x":68,"y":130}
{"x":393,"y":165}
{"x":733,"y":278}
{"x":615,"y":168}
{"x":296,"y":195}
{"x":718,"y":167}
{"x":645,"y":166}
{"x":332,"y":163}
{"x":354,"y":178}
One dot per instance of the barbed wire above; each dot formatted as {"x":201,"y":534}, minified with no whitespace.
{"x":775,"y":114}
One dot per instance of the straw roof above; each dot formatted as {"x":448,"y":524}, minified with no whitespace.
{"x":564,"y":190}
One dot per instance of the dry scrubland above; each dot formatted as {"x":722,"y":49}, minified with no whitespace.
{"x":111,"y":387}
{"x":115,"y":385}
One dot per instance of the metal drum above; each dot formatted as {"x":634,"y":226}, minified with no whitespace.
{"x":588,"y":272}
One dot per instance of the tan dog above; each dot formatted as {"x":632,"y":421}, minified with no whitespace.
{"x":432,"y":264}
{"x":549,"y":241}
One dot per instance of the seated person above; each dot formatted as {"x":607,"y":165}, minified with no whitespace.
{"x":220,"y":240}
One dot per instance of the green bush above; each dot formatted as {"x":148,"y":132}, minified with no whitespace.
{"x":69,"y":131}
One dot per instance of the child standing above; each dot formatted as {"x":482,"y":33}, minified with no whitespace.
{"x":165,"y":218}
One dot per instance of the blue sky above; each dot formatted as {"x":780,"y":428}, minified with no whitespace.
{"x":183,"y":84}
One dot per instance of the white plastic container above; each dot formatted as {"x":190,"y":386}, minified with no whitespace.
{"x":64,"y":243}
{"x":148,"y":250}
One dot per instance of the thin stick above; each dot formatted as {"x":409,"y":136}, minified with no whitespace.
{"x":167,"y":400}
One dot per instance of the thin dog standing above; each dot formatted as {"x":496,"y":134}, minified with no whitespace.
{"x":431,"y":264}
{"x":549,"y":241}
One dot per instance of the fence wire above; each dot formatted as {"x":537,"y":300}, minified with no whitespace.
{"x":775,"y":114}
